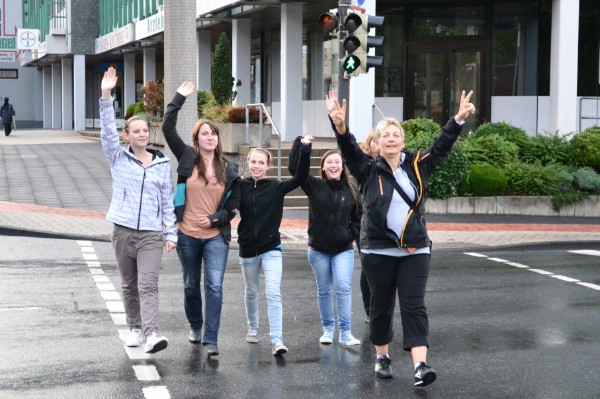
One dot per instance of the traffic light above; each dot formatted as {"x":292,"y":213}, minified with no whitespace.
{"x":358,"y":42}
{"x":329,"y":22}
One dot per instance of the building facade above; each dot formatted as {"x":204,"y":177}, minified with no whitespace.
{"x":533,"y":63}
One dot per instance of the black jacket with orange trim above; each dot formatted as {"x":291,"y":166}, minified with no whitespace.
{"x":375,"y":179}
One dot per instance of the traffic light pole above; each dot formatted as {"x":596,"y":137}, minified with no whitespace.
{"x":343,"y":83}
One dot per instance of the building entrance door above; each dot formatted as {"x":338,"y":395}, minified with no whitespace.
{"x":436,"y":77}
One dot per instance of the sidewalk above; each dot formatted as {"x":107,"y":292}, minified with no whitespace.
{"x":48,"y":200}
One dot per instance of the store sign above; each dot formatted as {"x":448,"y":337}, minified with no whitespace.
{"x":150,"y":26}
{"x":28,"y":39}
{"x":115,"y":39}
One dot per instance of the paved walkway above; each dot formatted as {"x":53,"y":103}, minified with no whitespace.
{"x":57,"y":184}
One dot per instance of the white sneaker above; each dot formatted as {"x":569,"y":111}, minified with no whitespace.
{"x":279,"y":349}
{"x":327,"y":337}
{"x":135,"y":337}
{"x":347,"y":339}
{"x":154,"y":343}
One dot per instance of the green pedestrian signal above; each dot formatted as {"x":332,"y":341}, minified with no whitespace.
{"x":351,"y":63}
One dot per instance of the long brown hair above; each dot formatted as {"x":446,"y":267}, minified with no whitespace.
{"x":346,"y":177}
{"x":219,"y":162}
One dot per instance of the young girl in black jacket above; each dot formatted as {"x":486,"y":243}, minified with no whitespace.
{"x":333,"y":223}
{"x":261,"y":210}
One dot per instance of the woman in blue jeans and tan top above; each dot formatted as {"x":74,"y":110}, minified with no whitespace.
{"x":333,"y":223}
{"x":261,"y":211}
{"x":141,"y":209}
{"x":206,"y":199}
{"x":393,"y":233}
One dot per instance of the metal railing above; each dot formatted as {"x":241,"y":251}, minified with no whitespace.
{"x":589,"y":117}
{"x":376,"y":107}
{"x":262,"y":109}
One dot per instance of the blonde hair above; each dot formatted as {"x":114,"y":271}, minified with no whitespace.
{"x":385,"y":123}
{"x":263,"y":151}
{"x":365,"y":146}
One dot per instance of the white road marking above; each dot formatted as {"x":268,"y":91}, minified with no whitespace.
{"x":110,"y":295}
{"x":19,"y":309}
{"x":116,"y":310}
{"x":115,"y":307}
{"x":515,"y":264}
{"x":544,"y":272}
{"x":565,"y":278}
{"x":146,"y":372}
{"x":590,"y":285}
{"x":156,"y":393}
{"x":540,"y":271}
{"x":586,"y":252}
{"x":119,"y":319}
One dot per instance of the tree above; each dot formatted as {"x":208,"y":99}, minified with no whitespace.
{"x":221,"y":80}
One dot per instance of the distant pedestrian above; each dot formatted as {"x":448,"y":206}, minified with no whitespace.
{"x":7,"y":114}
{"x":393,"y":235}
{"x":206,"y":200}
{"x":142,"y":212}
{"x":259,"y":241}
{"x":333,"y":224}
{"x":370,"y":147}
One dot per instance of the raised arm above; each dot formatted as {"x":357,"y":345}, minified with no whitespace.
{"x":111,"y":144}
{"x":169,"y":127}
{"x":303,"y":165}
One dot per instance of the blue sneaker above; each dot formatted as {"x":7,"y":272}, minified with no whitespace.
{"x":327,"y":337}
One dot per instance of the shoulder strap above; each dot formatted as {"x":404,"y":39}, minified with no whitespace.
{"x":412,"y":204}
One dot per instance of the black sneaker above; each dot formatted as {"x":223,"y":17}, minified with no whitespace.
{"x":424,"y":375}
{"x":211,"y":350}
{"x":382,"y":367}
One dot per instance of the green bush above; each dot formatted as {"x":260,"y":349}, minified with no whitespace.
{"x":418,"y":135}
{"x":483,"y":181}
{"x":559,"y":200}
{"x":491,"y":149}
{"x":586,"y":179}
{"x":204,"y":98}
{"x":134,"y":109}
{"x":221,"y":80}
{"x":537,"y":179}
{"x":505,"y":130}
{"x":154,"y":98}
{"x":586,"y":147}
{"x":548,"y":148}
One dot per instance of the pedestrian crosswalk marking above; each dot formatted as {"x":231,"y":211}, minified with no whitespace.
{"x":540,"y":271}
{"x":146,"y":372}
{"x":499,"y":260}
{"x":565,"y":278}
{"x":156,"y":393}
{"x":586,"y":252}
{"x":515,"y":264}
{"x":590,"y":285}
{"x":475,"y":254}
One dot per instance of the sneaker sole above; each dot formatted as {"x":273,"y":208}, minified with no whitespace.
{"x":194,"y":341}
{"x":159,"y":346}
{"x":133,"y":345}
{"x":428,"y":379}
{"x":252,"y":340}
{"x":326,"y":341}
{"x":280,"y":352}
{"x":384,"y":375}
{"x":348,"y":344}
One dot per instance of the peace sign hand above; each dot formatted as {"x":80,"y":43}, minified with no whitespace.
{"x":336,"y":112}
{"x":465,"y":108}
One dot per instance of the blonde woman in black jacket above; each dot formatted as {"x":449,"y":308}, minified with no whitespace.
{"x":393,"y":234}
{"x":333,"y":223}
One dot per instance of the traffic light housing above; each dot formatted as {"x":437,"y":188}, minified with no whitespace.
{"x":329,"y":23}
{"x":357,"y":43}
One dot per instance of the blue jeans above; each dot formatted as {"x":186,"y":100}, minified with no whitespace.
{"x":333,"y":273}
{"x":271,"y":265}
{"x":192,"y":252}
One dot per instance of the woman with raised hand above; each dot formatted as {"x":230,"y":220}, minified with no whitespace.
{"x":206,"y":199}
{"x":261,"y":211}
{"x":333,"y":223}
{"x":394,"y":236}
{"x":141,"y":209}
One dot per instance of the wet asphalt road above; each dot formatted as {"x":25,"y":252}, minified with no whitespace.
{"x":498,"y":330}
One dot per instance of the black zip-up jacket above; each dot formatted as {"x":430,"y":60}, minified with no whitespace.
{"x":261,"y":209}
{"x":375,"y":179}
{"x":333,"y":217}
{"x":186,"y":157}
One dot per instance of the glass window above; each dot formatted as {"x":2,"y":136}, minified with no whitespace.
{"x":448,"y":22}
{"x":515,"y":49}
{"x":589,"y":49}
{"x":389,"y":78}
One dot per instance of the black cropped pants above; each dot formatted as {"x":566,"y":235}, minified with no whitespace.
{"x":407,"y":276}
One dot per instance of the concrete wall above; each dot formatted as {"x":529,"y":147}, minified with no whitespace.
{"x":526,"y":206}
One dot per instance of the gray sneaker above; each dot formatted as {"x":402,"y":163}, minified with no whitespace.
{"x":252,"y":336}
{"x":194,"y":336}
{"x":211,"y":350}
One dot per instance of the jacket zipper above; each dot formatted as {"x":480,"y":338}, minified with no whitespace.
{"x":141,"y":199}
